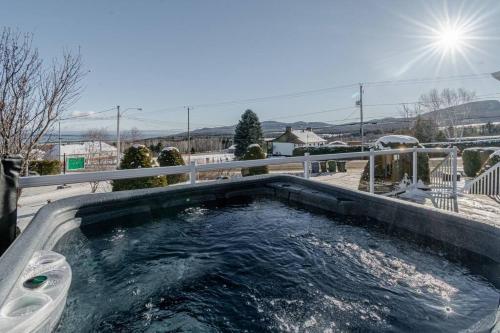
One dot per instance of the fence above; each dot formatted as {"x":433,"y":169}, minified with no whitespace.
{"x":194,"y":168}
{"x":89,"y":162}
{"x":442,"y":176}
{"x":487,"y":183}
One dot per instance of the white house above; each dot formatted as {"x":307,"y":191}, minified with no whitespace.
{"x":97,"y":154}
{"x":291,"y":139}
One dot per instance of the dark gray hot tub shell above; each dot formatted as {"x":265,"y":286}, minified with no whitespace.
{"x":55,"y":219}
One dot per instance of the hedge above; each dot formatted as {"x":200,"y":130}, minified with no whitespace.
{"x":325,"y":150}
{"x":46,"y":167}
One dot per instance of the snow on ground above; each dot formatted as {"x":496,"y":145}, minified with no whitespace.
{"x":32,"y":199}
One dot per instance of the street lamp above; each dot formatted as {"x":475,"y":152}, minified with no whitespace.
{"x":118,"y":115}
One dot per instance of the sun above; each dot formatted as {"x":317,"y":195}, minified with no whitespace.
{"x":450,"y":38}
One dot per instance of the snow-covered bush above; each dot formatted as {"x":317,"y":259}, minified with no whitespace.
{"x":170,"y":156}
{"x":136,"y":157}
{"x":254,"y":152}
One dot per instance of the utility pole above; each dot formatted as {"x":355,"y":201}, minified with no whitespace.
{"x":189,"y":139}
{"x":59,"y":139}
{"x":362,"y":131}
{"x":117,"y":136}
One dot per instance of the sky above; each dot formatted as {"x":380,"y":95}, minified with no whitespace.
{"x":275,"y":57}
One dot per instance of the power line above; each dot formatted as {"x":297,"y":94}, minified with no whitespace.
{"x":328,"y":89}
{"x":87,"y":115}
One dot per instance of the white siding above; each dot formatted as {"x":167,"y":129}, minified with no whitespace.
{"x":283,"y":148}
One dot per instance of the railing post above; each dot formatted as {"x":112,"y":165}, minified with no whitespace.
{"x":306,"y":165}
{"x":454,"y":171}
{"x":372,"y":171}
{"x":415,"y":170}
{"x":192,"y":172}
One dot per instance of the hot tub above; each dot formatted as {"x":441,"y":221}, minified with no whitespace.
{"x":271,"y":253}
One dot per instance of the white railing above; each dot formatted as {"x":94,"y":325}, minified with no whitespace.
{"x":487,"y":183}
{"x":441,"y":175}
{"x":193,"y":168}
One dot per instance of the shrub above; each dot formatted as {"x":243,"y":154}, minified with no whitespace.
{"x":332,"y":166}
{"x":475,"y":157}
{"x":323,"y":166}
{"x":135,"y":157}
{"x":254,"y":152}
{"x":170,"y":156}
{"x":325,"y":150}
{"x":493,"y":159}
{"x":471,"y":160}
{"x":46,"y":167}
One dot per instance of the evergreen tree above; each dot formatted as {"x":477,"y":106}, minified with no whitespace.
{"x":425,"y":130}
{"x":248,"y":131}
{"x":136,"y":157}
{"x":170,"y":156}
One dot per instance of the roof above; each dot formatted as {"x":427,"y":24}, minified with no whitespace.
{"x":337,"y":144}
{"x":390,"y":140}
{"x":300,"y":137}
{"x":81,"y":148}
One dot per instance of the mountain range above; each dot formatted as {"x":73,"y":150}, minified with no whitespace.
{"x":471,"y":113}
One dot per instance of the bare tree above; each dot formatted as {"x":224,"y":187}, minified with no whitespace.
{"x":32,"y":95}
{"x":133,"y":135}
{"x":453,"y":107}
{"x":95,"y":138}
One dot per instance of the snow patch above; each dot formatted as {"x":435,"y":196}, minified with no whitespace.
{"x":170,"y":149}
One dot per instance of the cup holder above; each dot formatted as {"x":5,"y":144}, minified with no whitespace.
{"x":50,"y":258}
{"x":25,"y":305}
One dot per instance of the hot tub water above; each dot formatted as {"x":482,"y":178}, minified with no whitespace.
{"x":263,"y":266}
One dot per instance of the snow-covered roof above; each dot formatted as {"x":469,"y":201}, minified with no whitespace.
{"x":170,"y":149}
{"x":81,"y":148}
{"x":388,"y":140}
{"x":307,"y":136}
{"x":254,"y":145}
{"x":137,"y":146}
{"x":337,"y":143}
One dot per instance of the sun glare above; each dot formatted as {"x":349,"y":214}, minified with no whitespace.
{"x":450,"y":39}
{"x":448,"y":36}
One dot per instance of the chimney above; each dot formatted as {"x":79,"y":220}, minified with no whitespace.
{"x":288,"y":129}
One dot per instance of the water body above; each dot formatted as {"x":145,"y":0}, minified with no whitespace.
{"x":263,"y":266}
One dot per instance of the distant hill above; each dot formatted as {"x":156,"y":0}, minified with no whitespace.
{"x":475,"y":112}
{"x":268,"y":127}
{"x":471,"y":113}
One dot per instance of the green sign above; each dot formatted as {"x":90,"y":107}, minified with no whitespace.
{"x":76,"y":163}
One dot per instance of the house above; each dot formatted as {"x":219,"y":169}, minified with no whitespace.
{"x":97,"y":155}
{"x":285,"y":143}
